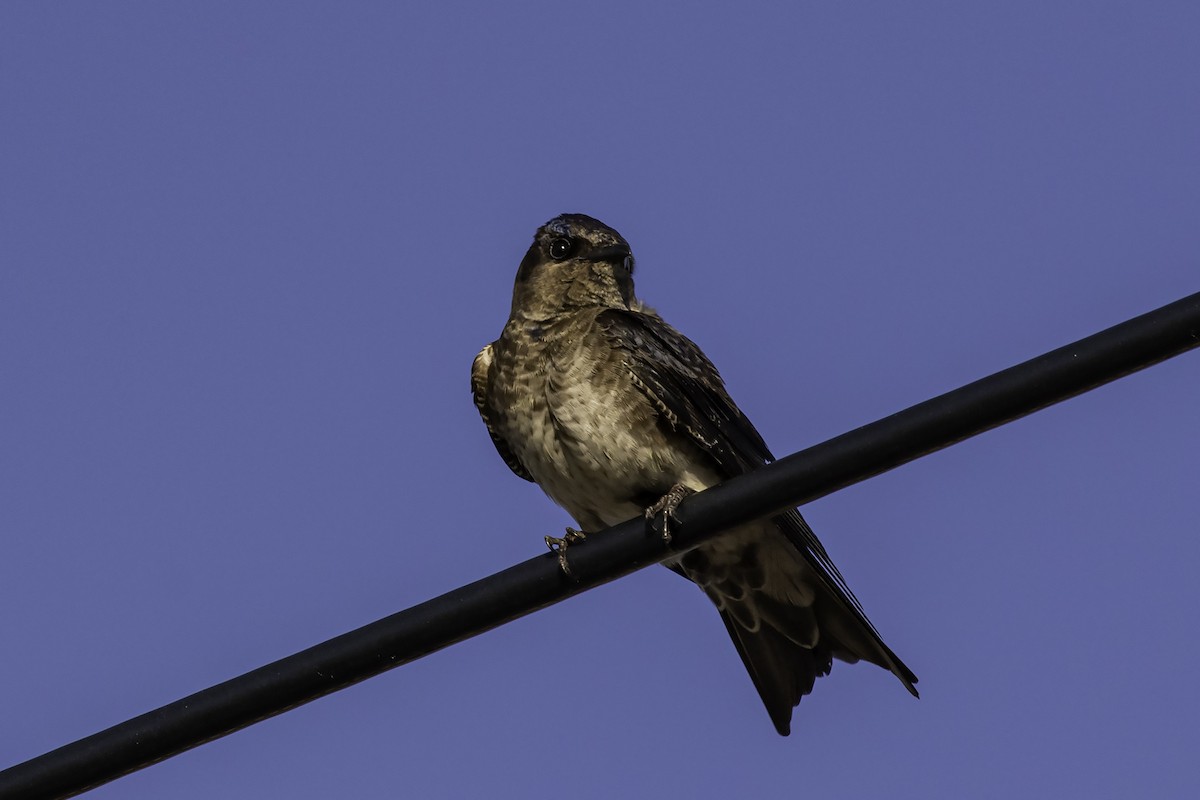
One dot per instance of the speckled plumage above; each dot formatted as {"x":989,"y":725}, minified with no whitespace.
{"x":591,"y":395}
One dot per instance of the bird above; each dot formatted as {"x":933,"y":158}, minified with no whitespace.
{"x":591,"y":395}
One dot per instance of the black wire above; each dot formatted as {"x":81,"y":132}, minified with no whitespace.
{"x":534,"y":584}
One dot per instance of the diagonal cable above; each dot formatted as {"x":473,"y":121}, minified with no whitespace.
{"x":519,"y":590}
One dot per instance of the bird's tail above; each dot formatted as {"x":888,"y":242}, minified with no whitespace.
{"x":788,"y":636}
{"x":786,"y":648}
{"x":782,"y":670}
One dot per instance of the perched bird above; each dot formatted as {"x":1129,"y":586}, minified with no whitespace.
{"x":614,"y":413}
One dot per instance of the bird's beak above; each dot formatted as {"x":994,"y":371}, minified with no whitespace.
{"x":618,"y":255}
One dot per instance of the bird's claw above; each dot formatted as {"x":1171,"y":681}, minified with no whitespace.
{"x":559,"y":546}
{"x":667,"y":504}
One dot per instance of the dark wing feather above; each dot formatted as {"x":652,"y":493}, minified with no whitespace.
{"x":687,"y":389}
{"x":691,"y":396}
{"x":480,"y":380}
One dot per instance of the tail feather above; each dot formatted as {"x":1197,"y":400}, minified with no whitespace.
{"x":840,"y":614}
{"x":788,"y":610}
{"x":785,"y":656}
{"x":782,"y":671}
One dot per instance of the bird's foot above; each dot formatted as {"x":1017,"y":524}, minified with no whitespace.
{"x":559,"y":546}
{"x":667,"y":505}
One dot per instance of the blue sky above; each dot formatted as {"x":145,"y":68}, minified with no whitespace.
{"x":249,"y":251}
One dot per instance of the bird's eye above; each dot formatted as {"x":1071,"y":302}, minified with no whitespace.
{"x":560,"y":249}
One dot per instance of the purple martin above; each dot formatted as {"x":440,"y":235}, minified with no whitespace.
{"x":614,"y":413}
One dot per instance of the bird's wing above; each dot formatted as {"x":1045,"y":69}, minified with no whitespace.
{"x":480,"y":380}
{"x":690,"y":396}
{"x":686,"y":389}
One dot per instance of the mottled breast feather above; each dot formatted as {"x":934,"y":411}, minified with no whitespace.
{"x":480,"y":379}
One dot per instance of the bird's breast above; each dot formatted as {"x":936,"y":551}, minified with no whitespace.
{"x":588,"y":436}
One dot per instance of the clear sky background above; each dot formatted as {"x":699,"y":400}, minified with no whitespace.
{"x":248,"y":251}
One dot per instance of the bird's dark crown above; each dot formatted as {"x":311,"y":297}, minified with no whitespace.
{"x":582,"y":229}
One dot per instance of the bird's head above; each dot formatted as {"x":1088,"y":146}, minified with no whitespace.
{"x":574,"y":262}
